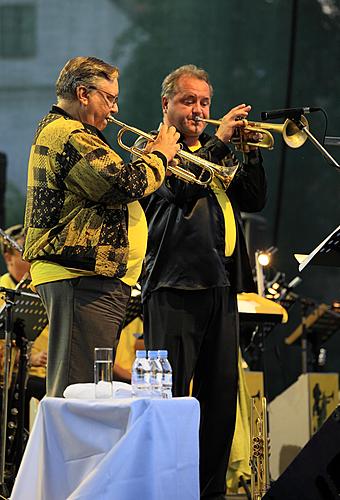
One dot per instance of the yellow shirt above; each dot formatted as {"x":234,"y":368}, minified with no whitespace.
{"x":138,"y":236}
{"x":126,"y":349}
{"x":227,"y":209}
{"x":43,"y":271}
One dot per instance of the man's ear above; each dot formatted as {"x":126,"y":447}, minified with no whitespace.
{"x":165,"y":103}
{"x":82,"y":95}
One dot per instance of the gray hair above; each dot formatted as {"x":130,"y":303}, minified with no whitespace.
{"x":170,"y":82}
{"x":82,"y":71}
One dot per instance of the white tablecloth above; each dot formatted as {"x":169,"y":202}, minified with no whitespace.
{"x":128,"y":449}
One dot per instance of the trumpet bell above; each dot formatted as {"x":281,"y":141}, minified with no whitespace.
{"x":292,"y":135}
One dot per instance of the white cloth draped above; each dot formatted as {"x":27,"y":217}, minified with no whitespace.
{"x":121,"y":449}
{"x":87,"y":391}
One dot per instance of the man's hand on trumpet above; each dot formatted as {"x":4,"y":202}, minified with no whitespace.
{"x":165,"y":142}
{"x":231,"y":121}
{"x":235,"y":120}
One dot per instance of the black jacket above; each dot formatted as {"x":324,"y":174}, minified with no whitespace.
{"x":186,"y":227}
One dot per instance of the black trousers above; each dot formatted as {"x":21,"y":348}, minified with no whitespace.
{"x":200,"y":331}
{"x":83,"y":313}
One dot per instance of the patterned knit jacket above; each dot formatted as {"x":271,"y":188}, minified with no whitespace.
{"x":78,"y":190}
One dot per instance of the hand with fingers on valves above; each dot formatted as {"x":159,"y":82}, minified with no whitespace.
{"x":166,"y":142}
{"x":233,"y":124}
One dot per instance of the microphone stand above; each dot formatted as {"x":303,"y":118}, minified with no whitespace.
{"x":315,"y":142}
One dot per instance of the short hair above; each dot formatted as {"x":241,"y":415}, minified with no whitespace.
{"x":16,"y":233}
{"x":82,"y":71}
{"x":169,"y":85}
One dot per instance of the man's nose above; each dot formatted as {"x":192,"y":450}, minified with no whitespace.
{"x":114,"y":107}
{"x":197,"y":108}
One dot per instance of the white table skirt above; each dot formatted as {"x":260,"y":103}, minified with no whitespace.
{"x":128,"y":449}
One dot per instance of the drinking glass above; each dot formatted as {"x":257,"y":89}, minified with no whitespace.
{"x":103,"y":357}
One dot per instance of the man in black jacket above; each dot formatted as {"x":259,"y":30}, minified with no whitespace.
{"x":196,"y":263}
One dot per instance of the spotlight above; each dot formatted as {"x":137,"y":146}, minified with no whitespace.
{"x":264,"y":257}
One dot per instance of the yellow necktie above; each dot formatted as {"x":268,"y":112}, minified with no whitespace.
{"x":227,"y":209}
{"x":228,"y":214}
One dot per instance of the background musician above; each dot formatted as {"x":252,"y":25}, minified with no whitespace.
{"x":196,"y":262}
{"x":17,"y":270}
{"x":86,"y":232}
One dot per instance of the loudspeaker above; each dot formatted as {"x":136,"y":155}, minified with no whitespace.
{"x":314,"y":474}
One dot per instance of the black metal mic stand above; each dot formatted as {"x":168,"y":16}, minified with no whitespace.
{"x":302,"y":126}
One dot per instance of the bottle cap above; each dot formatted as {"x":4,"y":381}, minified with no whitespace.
{"x":140,"y":354}
{"x":152,"y":354}
{"x":162,"y":353}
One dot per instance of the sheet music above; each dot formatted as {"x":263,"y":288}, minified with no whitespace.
{"x":306,"y":261}
{"x":28,"y":311}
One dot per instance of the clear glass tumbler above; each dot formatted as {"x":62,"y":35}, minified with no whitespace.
{"x":103,"y":363}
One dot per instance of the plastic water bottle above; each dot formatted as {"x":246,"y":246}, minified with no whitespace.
{"x":166,"y":374}
{"x":155,"y":374}
{"x":140,"y":376}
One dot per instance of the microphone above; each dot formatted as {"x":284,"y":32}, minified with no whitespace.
{"x":287,"y":113}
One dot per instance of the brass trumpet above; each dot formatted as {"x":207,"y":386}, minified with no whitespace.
{"x":259,"y":452}
{"x":291,"y":134}
{"x":224,"y":173}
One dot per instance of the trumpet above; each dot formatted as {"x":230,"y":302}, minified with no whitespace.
{"x":8,"y":239}
{"x":224,"y":173}
{"x":259,"y":452}
{"x":292,"y":135}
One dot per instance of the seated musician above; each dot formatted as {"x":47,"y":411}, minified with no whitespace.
{"x":17,"y":269}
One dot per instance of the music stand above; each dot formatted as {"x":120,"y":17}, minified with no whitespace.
{"x":327,"y":253}
{"x":22,"y":314}
{"x":28,"y":309}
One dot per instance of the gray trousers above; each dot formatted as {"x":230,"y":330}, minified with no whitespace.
{"x":83,"y":313}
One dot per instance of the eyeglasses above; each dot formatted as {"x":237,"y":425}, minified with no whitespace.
{"x":111,"y":99}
